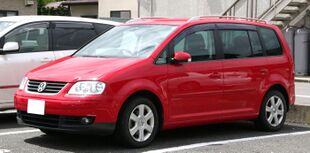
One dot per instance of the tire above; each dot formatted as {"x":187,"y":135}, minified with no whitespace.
{"x":273,"y":112}
{"x":130,"y":118}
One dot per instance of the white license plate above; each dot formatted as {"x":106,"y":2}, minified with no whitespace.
{"x":36,"y":107}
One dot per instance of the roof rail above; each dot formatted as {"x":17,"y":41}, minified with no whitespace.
{"x":144,"y":19}
{"x":226,"y":17}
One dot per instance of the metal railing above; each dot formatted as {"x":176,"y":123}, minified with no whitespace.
{"x":251,"y":8}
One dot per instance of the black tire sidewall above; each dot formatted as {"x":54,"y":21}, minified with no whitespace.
{"x":122,"y":133}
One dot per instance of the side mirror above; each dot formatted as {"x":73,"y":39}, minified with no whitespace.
{"x":10,"y":47}
{"x":182,"y":57}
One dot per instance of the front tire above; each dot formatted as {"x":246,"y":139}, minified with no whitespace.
{"x":138,"y":123}
{"x":273,"y":112}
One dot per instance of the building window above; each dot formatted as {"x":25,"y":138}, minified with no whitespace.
{"x":4,"y":13}
{"x":120,"y":14}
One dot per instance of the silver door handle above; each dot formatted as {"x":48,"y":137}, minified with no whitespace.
{"x":46,"y":59}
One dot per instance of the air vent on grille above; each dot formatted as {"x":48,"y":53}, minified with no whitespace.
{"x":44,"y":87}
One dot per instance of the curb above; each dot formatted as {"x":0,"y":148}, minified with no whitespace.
{"x":301,"y":79}
{"x":299,"y":114}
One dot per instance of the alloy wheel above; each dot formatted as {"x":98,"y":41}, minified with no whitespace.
{"x":141,"y":123}
{"x":274,"y":111}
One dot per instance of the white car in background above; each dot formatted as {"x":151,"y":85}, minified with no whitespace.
{"x":29,"y":41}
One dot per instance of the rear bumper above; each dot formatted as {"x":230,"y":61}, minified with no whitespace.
{"x":66,"y":124}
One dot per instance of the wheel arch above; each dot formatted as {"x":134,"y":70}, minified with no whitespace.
{"x":150,"y":95}
{"x":283,"y":90}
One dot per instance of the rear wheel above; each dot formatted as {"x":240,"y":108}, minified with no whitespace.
{"x":138,"y":123}
{"x":273,"y":112}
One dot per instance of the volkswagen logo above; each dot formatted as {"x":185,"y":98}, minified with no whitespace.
{"x":42,"y":86}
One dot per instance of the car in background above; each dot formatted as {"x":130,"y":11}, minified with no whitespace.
{"x":29,"y":41}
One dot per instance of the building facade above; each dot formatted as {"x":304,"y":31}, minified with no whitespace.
{"x":18,"y":7}
{"x":124,"y":9}
{"x":183,"y":8}
{"x":158,"y":8}
{"x":82,"y":8}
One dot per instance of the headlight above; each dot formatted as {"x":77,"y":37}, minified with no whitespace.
{"x":87,"y":88}
{"x":23,"y":83}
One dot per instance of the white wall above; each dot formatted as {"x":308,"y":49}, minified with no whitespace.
{"x":165,"y":8}
{"x":183,"y":8}
{"x":106,"y":6}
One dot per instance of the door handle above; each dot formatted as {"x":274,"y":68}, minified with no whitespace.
{"x":46,"y":59}
{"x":215,"y":75}
{"x":263,"y":71}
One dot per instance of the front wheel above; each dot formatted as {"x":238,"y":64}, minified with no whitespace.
{"x":273,"y":112}
{"x":138,"y":123}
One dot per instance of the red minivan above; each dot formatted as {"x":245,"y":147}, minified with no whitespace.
{"x":153,"y":74}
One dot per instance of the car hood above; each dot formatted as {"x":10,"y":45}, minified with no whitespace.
{"x":72,"y":69}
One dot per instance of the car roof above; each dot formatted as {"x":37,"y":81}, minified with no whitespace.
{"x":28,"y":19}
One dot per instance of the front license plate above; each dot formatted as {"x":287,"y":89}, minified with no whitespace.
{"x":36,"y":107}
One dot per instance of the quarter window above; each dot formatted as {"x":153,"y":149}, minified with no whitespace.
{"x":235,"y":43}
{"x":31,"y":38}
{"x":270,"y":41}
{"x":257,"y":48}
{"x":200,"y":45}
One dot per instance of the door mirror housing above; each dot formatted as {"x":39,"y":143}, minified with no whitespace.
{"x":182,"y":57}
{"x":10,"y":47}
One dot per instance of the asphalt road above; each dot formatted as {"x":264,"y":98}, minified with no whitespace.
{"x":234,"y":137}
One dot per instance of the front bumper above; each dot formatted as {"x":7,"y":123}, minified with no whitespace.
{"x":66,"y":124}
{"x":102,"y":109}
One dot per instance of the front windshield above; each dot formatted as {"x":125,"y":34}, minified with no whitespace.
{"x":5,"y":24}
{"x":127,"y":41}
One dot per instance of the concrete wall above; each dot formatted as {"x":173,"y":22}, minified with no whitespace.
{"x":84,"y":10}
{"x":106,"y":6}
{"x":183,"y":8}
{"x":18,"y":5}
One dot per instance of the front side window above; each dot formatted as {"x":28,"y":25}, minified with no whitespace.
{"x":137,"y":41}
{"x":236,"y":44}
{"x":200,"y":45}
{"x":31,"y":37}
{"x":271,"y":42}
{"x":68,"y":36}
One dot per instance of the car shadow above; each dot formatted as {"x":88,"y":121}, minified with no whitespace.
{"x":8,"y":121}
{"x":169,"y":138}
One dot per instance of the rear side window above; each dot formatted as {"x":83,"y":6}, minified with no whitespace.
{"x":270,"y":40}
{"x":236,"y":44}
{"x":72,"y":35}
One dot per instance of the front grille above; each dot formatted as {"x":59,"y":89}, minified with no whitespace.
{"x":50,"y":88}
{"x":52,"y":121}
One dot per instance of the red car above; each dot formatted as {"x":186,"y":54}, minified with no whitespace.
{"x":156,"y":73}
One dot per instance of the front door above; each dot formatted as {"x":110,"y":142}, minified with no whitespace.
{"x":195,"y":87}
{"x":33,"y":40}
